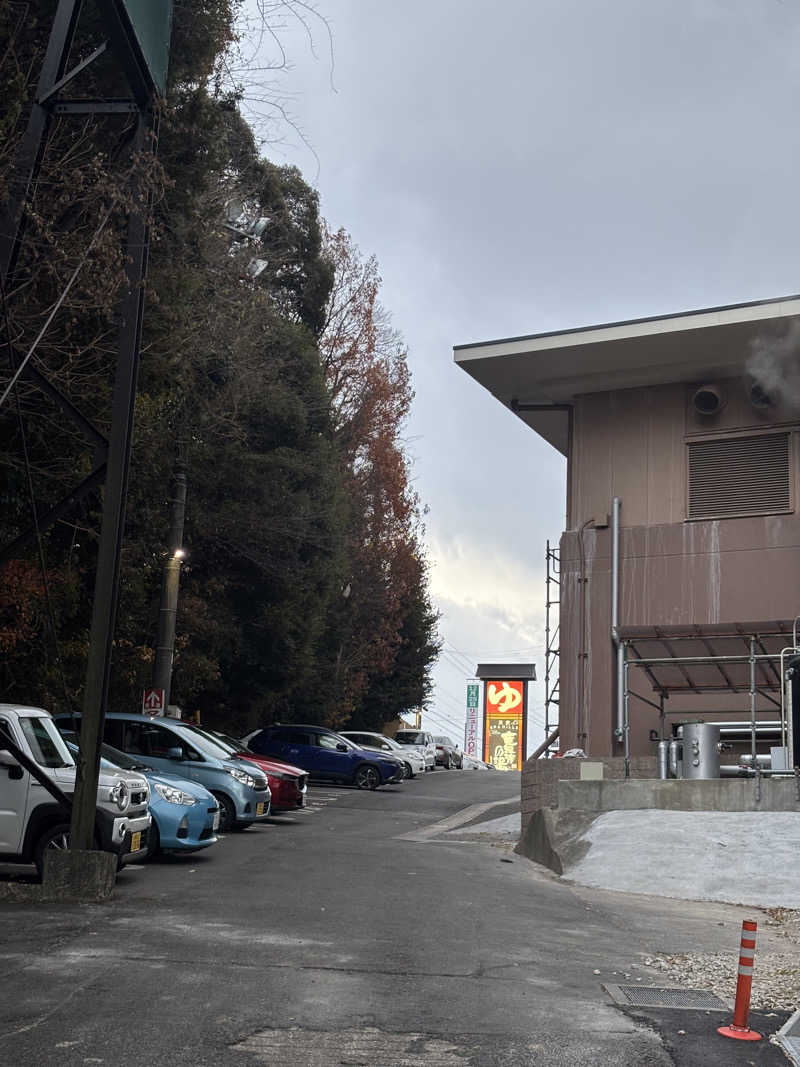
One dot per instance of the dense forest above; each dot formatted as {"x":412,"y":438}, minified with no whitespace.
{"x":270,"y":372}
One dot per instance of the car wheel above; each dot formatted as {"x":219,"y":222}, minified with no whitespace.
{"x":153,"y":841}
{"x":57,"y":837}
{"x":447,"y":763}
{"x":409,"y":770}
{"x":227,"y":813}
{"x":366,"y":777}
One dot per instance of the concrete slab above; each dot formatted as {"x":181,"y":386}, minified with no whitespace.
{"x":738,"y":857}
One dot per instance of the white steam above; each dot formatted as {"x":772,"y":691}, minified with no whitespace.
{"x":774,"y":367}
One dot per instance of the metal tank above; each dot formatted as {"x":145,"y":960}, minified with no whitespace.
{"x":700,"y":750}
{"x":662,"y":754}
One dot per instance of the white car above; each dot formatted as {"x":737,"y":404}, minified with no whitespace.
{"x":33,"y":821}
{"x":420,"y":741}
{"x":414,"y":761}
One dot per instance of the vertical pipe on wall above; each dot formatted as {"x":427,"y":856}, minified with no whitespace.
{"x":619,"y":732}
{"x":627,"y":726}
{"x":753,"y":699}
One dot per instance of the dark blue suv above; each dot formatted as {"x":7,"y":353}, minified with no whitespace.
{"x":325,"y":754}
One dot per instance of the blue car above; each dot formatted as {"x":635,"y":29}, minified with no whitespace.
{"x":185,"y":814}
{"x":175,"y":748}
{"x":325,"y":754}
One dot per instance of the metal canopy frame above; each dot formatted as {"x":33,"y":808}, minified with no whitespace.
{"x":740,"y":658}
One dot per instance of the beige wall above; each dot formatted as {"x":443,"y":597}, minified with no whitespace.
{"x":632,"y":444}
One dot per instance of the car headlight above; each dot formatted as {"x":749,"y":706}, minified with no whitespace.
{"x":175,"y":796}
{"x":120,"y":795}
{"x":242,"y":776}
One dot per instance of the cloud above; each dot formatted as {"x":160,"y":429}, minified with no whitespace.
{"x":506,"y":592}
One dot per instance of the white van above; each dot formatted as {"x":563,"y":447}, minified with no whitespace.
{"x":32,"y":820}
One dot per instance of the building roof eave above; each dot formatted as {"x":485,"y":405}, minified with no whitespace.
{"x":530,"y":373}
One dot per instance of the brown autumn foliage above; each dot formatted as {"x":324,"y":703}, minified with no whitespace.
{"x":369,"y":381}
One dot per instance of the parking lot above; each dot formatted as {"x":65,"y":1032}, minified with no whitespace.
{"x":365,"y":929}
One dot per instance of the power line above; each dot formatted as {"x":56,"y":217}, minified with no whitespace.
{"x":450,"y":659}
{"x":453,"y":651}
{"x":442,"y":718}
{"x":455,"y":705}
{"x":452,"y":705}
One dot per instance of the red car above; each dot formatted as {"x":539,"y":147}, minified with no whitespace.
{"x":288,"y":784}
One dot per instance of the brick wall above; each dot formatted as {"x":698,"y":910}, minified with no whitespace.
{"x":540,"y":778}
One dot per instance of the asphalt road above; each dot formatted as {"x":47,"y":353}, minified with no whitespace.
{"x":364,"y":931}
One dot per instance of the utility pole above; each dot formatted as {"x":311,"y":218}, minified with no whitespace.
{"x":170,"y":581}
{"x":106,"y":587}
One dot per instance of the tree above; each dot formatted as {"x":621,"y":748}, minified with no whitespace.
{"x":369,"y":381}
{"x":268,"y":365}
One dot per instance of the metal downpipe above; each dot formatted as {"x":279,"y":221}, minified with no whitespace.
{"x":621,"y":730}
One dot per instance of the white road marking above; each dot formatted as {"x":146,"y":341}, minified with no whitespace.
{"x":452,"y":821}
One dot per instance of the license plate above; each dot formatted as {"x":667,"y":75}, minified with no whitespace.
{"x":260,"y":807}
{"x":216,"y":822}
{"x":136,"y":841}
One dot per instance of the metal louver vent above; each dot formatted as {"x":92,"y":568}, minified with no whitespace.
{"x":739,"y":476}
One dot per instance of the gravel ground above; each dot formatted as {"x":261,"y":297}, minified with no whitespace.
{"x":776,"y":974}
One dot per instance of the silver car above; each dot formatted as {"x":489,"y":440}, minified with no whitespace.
{"x":420,"y":741}
{"x":414,"y":761}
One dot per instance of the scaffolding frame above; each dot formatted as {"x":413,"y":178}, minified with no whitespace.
{"x":551,"y":645}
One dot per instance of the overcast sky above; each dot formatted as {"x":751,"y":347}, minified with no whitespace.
{"x":535,"y":165}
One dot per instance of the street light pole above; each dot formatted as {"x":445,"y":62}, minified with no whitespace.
{"x":170,"y":580}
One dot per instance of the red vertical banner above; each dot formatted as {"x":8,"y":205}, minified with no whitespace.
{"x":504,"y":724}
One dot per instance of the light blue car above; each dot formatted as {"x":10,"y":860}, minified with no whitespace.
{"x":172,"y":747}
{"x":185,"y":814}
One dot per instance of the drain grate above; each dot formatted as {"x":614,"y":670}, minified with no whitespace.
{"x":665,"y":997}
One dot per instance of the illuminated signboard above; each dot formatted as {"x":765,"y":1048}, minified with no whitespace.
{"x":504,"y":724}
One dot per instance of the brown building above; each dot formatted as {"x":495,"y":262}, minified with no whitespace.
{"x":686,"y":429}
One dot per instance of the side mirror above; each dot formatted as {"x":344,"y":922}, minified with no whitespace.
{"x":15,"y":771}
{"x":341,"y":747}
{"x":175,"y":753}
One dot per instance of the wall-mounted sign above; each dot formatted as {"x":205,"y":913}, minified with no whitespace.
{"x":504,"y":721}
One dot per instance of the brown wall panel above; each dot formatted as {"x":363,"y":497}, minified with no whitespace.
{"x":726,"y":571}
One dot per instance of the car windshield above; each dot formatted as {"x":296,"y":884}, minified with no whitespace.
{"x":379,"y":741}
{"x":122,"y":759}
{"x":207,"y":743}
{"x":410,"y":739}
{"x":226,"y":739}
{"x":45,"y":742}
{"x":110,"y":754}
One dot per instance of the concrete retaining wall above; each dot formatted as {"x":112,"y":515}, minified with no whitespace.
{"x":540,"y":778}
{"x":715,"y":794}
